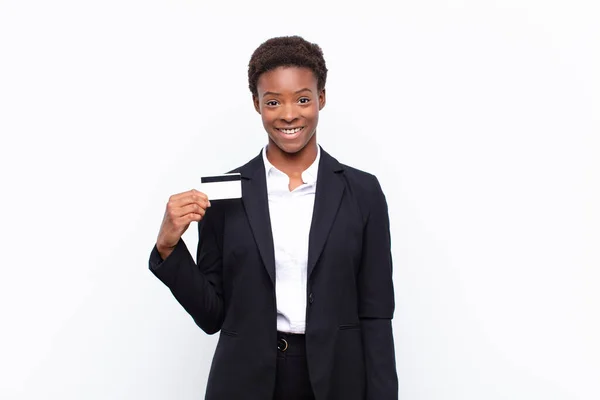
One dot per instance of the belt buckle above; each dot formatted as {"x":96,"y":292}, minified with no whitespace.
{"x":282,"y":344}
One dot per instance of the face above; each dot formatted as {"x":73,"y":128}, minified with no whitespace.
{"x":289,"y":104}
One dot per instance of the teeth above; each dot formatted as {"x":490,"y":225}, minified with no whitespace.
{"x":290,"y":131}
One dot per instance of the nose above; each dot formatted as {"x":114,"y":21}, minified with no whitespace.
{"x":288,"y":113}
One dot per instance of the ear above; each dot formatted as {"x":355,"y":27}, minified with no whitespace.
{"x":256,"y":105}
{"x":322,"y":99}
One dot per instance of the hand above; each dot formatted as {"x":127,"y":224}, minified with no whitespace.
{"x":182,"y":209}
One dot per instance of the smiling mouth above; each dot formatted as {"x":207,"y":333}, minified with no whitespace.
{"x":290,"y":131}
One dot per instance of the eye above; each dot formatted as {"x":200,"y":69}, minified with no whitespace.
{"x":272,"y":103}
{"x":303,"y":100}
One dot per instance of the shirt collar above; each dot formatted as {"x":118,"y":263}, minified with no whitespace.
{"x":309,"y":176}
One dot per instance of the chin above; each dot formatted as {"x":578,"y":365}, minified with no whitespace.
{"x":291,"y":149}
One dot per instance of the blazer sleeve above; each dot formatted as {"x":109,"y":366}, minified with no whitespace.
{"x":196,"y":286}
{"x":376,"y":300}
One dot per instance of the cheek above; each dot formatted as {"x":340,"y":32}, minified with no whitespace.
{"x":266,"y":118}
{"x":312,"y":114}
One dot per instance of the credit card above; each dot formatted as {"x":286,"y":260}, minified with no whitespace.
{"x":220,"y":187}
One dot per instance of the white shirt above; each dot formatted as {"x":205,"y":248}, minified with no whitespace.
{"x":291,"y":217}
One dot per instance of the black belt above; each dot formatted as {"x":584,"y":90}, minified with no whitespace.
{"x":291,"y":344}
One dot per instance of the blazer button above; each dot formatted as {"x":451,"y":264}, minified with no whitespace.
{"x":311,"y":298}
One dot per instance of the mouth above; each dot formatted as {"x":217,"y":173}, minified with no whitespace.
{"x":290,"y":131}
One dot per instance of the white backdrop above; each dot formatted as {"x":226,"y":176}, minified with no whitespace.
{"x":480,"y":118}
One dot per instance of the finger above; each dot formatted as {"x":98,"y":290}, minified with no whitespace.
{"x":180,"y":224}
{"x":189,"y":198}
{"x":182,"y":194}
{"x":193,"y":208}
{"x":198,"y":194}
{"x":193,"y":193}
{"x":193,"y":217}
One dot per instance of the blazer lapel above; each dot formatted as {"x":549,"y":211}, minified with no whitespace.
{"x":330,"y":189}
{"x":256,"y":205}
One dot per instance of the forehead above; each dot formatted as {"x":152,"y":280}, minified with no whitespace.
{"x":286,"y":80}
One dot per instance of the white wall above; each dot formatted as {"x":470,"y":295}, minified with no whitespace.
{"x":481,"y":119}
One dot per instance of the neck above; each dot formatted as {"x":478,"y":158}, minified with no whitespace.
{"x":292,"y":164}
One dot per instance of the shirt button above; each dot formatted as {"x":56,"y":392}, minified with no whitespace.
{"x":310,"y":298}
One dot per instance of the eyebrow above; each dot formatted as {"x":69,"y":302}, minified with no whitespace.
{"x":279,"y":94}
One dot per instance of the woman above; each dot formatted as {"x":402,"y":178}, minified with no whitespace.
{"x":297,"y":274}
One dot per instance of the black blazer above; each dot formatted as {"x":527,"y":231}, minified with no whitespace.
{"x":350,"y":296}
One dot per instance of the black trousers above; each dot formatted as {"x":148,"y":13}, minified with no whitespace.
{"x":292,"y":381}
